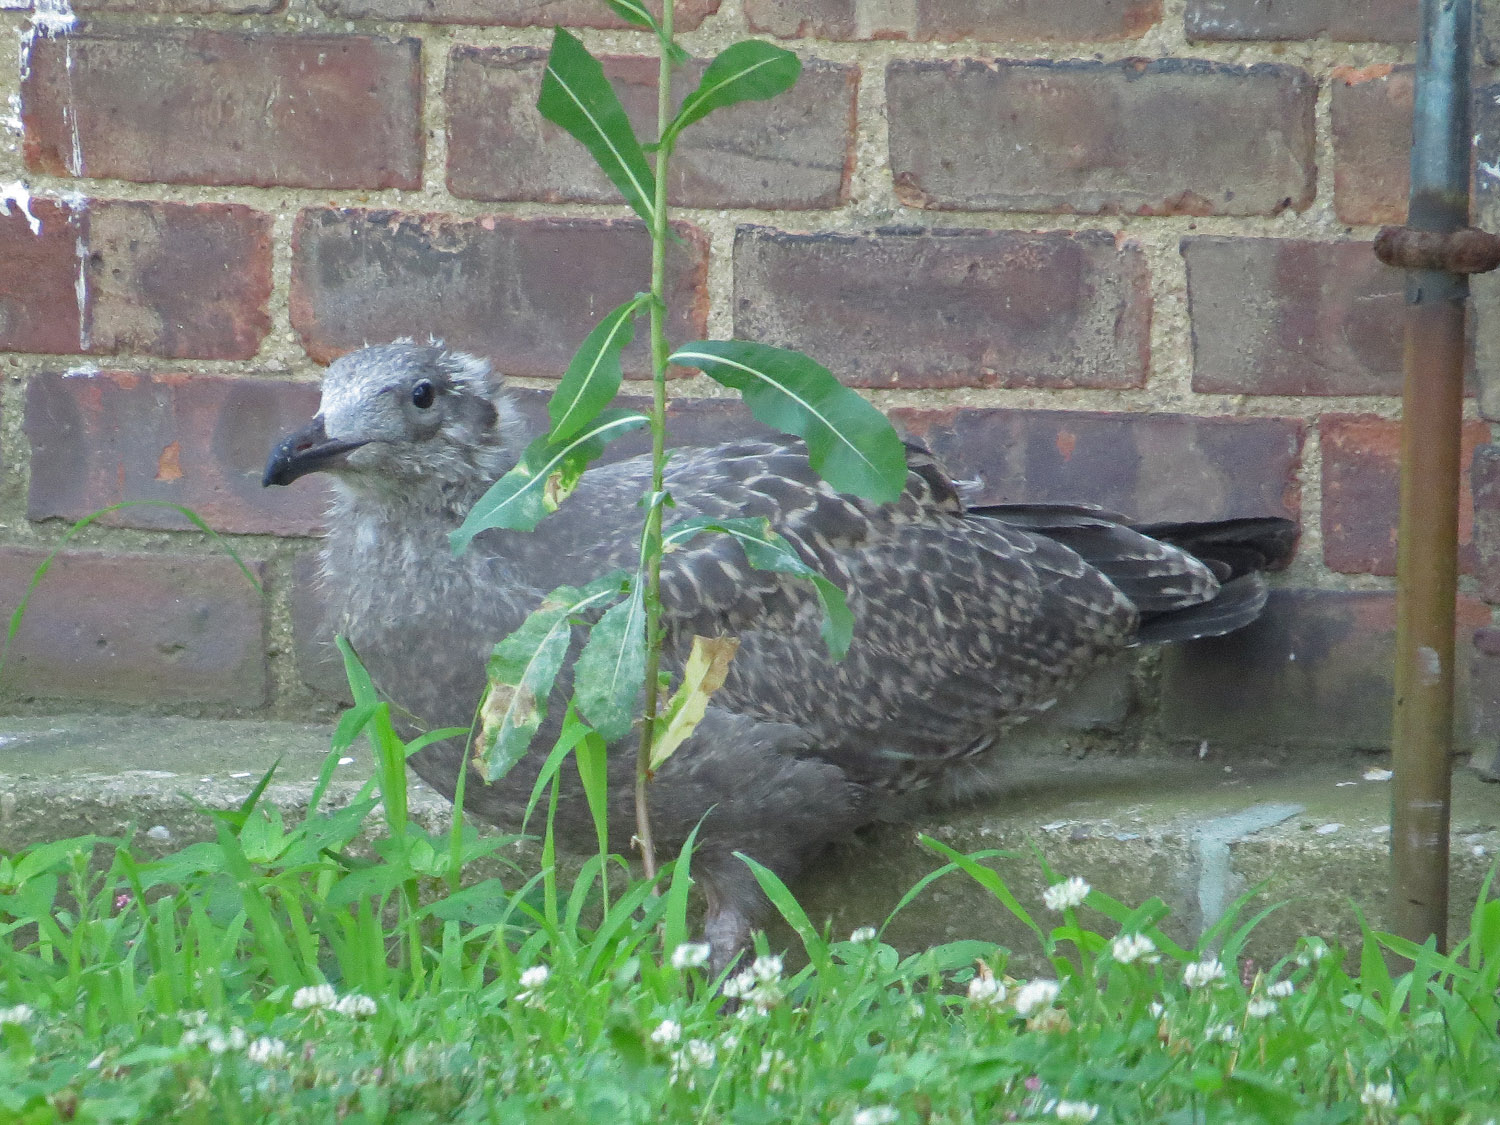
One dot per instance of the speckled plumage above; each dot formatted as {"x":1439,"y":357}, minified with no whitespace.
{"x":966,"y":620}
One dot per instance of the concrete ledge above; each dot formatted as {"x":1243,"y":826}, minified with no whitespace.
{"x":1196,"y":832}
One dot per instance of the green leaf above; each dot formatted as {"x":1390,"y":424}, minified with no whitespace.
{"x":577,"y":97}
{"x":849,"y":442}
{"x":545,"y":477}
{"x":591,"y":756}
{"x":522,"y":670}
{"x":751,"y":70}
{"x":612,"y":667}
{"x":594,"y":374}
{"x":766,"y":550}
{"x":632,"y":11}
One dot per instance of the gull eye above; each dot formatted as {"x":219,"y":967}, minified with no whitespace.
{"x":422,"y":394}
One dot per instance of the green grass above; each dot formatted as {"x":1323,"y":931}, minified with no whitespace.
{"x":293,"y":973}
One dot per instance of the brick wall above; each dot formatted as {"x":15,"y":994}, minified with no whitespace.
{"x":1103,"y":250}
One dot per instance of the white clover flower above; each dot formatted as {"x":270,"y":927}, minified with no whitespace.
{"x":1202,"y":973}
{"x":1260,"y":1008}
{"x":194,"y":1019}
{"x":1221,"y":1033}
{"x":766,"y":969}
{"x":314,"y":996}
{"x":19,"y":1013}
{"x":875,"y":1115}
{"x":1131,"y":947}
{"x":355,"y":1006}
{"x":1157,"y":1009}
{"x":739,"y":985}
{"x":769,"y":1061}
{"x":1378,"y":1097}
{"x":221,"y":1042}
{"x":267,"y":1050}
{"x":667,"y":1032}
{"x":1078,"y":1112}
{"x":535,"y":977}
{"x":1061,"y":896}
{"x":987,"y":991}
{"x":864,"y":933}
{"x":760,"y":985}
{"x":1035,"y":995}
{"x":695,"y":1054}
{"x":1280,"y":990}
{"x":1313,"y":949}
{"x":700,"y":1053}
{"x":690,"y":955}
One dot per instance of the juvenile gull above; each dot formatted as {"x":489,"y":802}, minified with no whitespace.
{"x":967,"y":619}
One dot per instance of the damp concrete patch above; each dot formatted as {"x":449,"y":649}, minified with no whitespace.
{"x":1206,"y":835}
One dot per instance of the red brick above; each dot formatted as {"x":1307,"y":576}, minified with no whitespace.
{"x":218,"y":107}
{"x":511,"y":13}
{"x":1484,"y":472}
{"x":168,"y":279}
{"x":1372,"y":142}
{"x":1315,"y":669}
{"x":523,"y":292}
{"x":135,"y":628}
{"x":950,"y":308}
{"x":1279,"y":316}
{"x":1361,"y":493}
{"x":951,"y":20}
{"x":196,"y":440}
{"x":1146,"y":137}
{"x":794,"y":151}
{"x":1380,"y":21}
{"x":1148,"y":466}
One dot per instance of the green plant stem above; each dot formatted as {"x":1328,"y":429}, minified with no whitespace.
{"x":651,"y":544}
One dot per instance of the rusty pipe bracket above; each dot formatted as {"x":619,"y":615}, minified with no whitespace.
{"x":1467,"y":250}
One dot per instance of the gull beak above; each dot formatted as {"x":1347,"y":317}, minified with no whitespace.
{"x":309,"y":450}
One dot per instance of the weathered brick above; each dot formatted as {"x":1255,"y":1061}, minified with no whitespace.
{"x":218,"y":107}
{"x":135,"y":628}
{"x":1149,"y":466}
{"x":1484,"y":477}
{"x":1147,"y":137}
{"x":1361,"y":493}
{"x":1372,"y":119}
{"x":951,"y":308}
{"x":1379,"y":21}
{"x":1293,"y":317}
{"x":794,"y":151}
{"x":523,"y":292}
{"x":1315,"y":669}
{"x":511,"y":13}
{"x":1372,"y":142}
{"x":168,"y":279}
{"x":950,"y":20}
{"x":1484,"y":701}
{"x":196,"y":440}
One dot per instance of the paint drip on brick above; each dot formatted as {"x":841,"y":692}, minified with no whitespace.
{"x":53,"y":19}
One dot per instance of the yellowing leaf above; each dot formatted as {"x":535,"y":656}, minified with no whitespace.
{"x":504,"y":707}
{"x":707,"y":666}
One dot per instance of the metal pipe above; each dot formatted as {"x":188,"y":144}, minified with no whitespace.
{"x":1432,"y":408}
